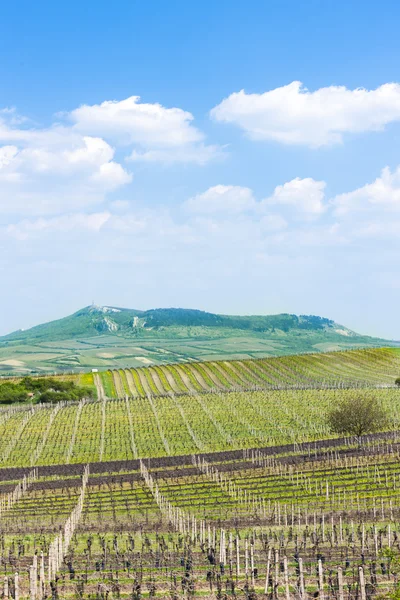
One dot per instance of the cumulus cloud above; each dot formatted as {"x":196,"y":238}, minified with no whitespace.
{"x":71,"y":165}
{"x":55,"y":170}
{"x":382,"y":195}
{"x":130,"y":121}
{"x":222,"y":199}
{"x":304,"y":195}
{"x":157,"y":133}
{"x":291,"y":114}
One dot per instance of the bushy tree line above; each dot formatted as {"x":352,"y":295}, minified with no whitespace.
{"x":42,"y":389}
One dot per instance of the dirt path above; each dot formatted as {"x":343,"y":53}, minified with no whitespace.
{"x":237,"y":372}
{"x":170,"y":379}
{"x":99,"y":386}
{"x":131,"y":383}
{"x":144,"y":383}
{"x":253,"y":378}
{"x":185,"y":379}
{"x":199,"y":377}
{"x":218,"y":384}
{"x":119,"y":386}
{"x":227,"y":375}
{"x":157,"y":382}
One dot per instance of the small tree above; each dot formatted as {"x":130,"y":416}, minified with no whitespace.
{"x":357,"y":415}
{"x":397,"y":382}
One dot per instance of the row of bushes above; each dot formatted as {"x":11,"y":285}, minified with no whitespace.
{"x":43,"y":389}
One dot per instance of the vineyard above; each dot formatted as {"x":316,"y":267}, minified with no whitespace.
{"x":332,"y":369}
{"x":209,"y":480}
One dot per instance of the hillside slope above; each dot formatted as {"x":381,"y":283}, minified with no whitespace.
{"x":109,"y":337}
{"x":159,"y":413}
{"x":378,"y":367}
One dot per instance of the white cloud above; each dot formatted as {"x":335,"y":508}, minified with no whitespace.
{"x":273,"y":223}
{"x":130,"y":121}
{"x":69,"y":167}
{"x":200,"y":154}
{"x":229,"y":199}
{"x":291,"y":114}
{"x":56,"y":171}
{"x":7,"y":153}
{"x":382,"y":194}
{"x":157,"y":133}
{"x":65,"y":223}
{"x":304,"y":195}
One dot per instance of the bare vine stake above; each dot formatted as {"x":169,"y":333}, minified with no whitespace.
{"x":362,"y":583}
{"x":252,"y":563}
{"x":320,"y":580}
{"x":340,"y":583}
{"x":268,"y":570}
{"x":286,"y":574}
{"x":301,"y":582}
{"x":16,"y":587}
{"x":276,"y":582}
{"x":42,"y":580}
{"x":237,"y":557}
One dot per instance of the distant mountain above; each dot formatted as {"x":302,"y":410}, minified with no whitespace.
{"x":100,"y":320}
{"x":133,"y":337}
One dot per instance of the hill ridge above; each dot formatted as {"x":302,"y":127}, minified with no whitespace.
{"x":102,"y":337}
{"x":91,"y":319}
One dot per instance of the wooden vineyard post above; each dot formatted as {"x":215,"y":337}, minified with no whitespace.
{"x":276,"y":582}
{"x":42,"y":581}
{"x":363,"y":537}
{"x":237,"y":557}
{"x":16,"y":587}
{"x":301,"y":582}
{"x":32,"y":583}
{"x":252,"y":563}
{"x":362,"y":583}
{"x":340,"y":583}
{"x":320,"y":580}
{"x":268,"y":571}
{"x":246,"y":558}
{"x":5,"y":589}
{"x":230,"y":554}
{"x":286,"y":575}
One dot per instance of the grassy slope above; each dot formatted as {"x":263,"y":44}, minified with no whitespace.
{"x":380,"y":366}
{"x":84,"y":340}
{"x":175,"y":344}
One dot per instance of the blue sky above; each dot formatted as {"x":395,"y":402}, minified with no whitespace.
{"x":135,"y":171}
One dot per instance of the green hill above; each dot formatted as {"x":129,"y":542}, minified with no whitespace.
{"x":97,"y":320}
{"x":110,"y":337}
